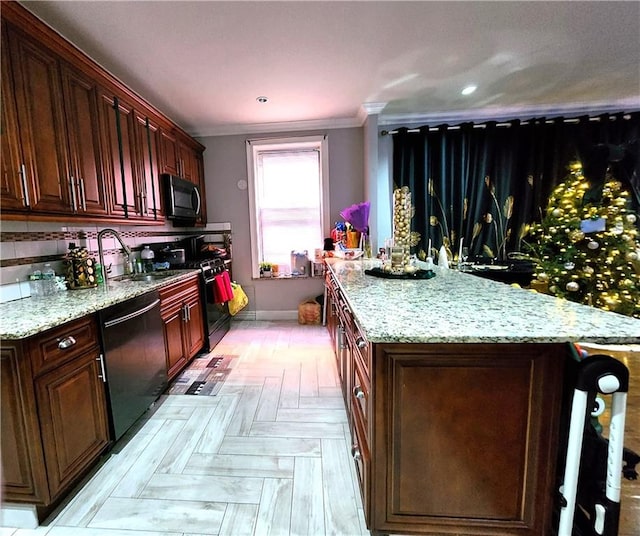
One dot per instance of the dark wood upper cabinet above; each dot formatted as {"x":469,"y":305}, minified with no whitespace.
{"x":148,"y":141}
{"x":119,"y":158}
{"x":13,"y":188}
{"x":41,"y":124}
{"x":68,"y":149}
{"x":81,"y":109}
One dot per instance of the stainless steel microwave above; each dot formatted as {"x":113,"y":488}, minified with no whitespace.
{"x":182,"y":198}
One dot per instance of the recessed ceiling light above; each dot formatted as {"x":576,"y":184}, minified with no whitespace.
{"x":262,"y":100}
{"x":469,"y":90}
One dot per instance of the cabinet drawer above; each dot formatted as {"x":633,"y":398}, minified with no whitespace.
{"x":59,"y":345}
{"x":178,"y":292}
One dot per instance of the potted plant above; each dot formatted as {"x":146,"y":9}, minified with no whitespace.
{"x":265,"y":269}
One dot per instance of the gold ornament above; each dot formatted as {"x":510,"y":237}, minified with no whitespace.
{"x":576,"y":236}
{"x":557,"y":212}
{"x":543,"y":277}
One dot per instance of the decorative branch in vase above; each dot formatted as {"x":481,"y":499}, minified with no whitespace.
{"x":503,"y":213}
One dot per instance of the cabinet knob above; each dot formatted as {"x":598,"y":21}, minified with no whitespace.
{"x":361,"y":342}
{"x":358,"y":392}
{"x":65,"y":343}
{"x":355,"y":452}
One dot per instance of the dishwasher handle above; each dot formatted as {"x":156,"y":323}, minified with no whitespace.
{"x":134,"y":314}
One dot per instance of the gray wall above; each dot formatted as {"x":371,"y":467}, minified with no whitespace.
{"x":225,"y":163}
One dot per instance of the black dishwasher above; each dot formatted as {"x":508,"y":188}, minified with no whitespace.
{"x":134,"y":357}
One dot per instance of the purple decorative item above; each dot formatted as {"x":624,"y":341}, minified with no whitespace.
{"x":358,"y":216}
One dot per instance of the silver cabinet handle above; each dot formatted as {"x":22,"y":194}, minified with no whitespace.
{"x":25,"y":190}
{"x":102,"y":374}
{"x":72,"y":190}
{"x":342,"y":337}
{"x":361,"y":342}
{"x":83,"y":198}
{"x":358,"y":392}
{"x":65,"y":343}
{"x":184,"y":313}
{"x":355,"y":452}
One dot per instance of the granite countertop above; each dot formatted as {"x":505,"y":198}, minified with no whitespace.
{"x":29,"y":316}
{"x":461,"y":307}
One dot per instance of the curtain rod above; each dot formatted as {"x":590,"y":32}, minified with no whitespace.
{"x":484,"y":125}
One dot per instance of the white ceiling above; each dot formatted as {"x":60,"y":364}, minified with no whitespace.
{"x":322,"y":64}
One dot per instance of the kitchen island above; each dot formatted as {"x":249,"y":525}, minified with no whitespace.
{"x":455,"y":389}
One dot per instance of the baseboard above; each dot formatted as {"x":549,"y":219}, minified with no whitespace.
{"x":266,"y":315}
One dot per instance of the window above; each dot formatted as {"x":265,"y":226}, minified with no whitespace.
{"x":288,"y":197}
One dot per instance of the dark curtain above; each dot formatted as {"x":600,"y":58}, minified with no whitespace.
{"x":486,"y":183}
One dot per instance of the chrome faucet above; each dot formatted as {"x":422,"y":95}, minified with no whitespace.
{"x":125,"y":248}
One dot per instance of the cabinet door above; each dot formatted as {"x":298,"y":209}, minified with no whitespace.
{"x":13,"y":195}
{"x":73,"y":419}
{"x":81,"y":106}
{"x":41,"y":122}
{"x":173,"y":321}
{"x":195,"y":325}
{"x":188,"y":162}
{"x":118,"y":142}
{"x":169,"y":153}
{"x":148,"y":141}
{"x":23,"y":470}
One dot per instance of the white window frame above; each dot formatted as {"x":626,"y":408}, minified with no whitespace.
{"x":254,"y":147}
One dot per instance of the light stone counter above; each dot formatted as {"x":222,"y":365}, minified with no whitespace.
{"x":460,"y":307}
{"x":29,"y":316}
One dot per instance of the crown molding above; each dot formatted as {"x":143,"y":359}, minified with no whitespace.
{"x":512,"y":112}
{"x":283,"y":126}
{"x":421,"y":118}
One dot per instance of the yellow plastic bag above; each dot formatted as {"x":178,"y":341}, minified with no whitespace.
{"x":239,"y":300}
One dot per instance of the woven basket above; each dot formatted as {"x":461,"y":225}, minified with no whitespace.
{"x":309,"y":312}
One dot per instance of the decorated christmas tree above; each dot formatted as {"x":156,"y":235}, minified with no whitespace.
{"x":588,"y":251}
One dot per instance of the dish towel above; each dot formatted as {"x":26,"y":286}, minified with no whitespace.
{"x":217,"y":294}
{"x":226,"y":282}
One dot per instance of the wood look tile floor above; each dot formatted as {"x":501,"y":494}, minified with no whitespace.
{"x":268,"y":455}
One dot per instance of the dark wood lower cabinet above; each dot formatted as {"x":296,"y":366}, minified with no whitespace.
{"x":182,"y":313}
{"x":23,"y":471}
{"x":73,"y":419}
{"x":451,"y":438}
{"x":463,"y":437}
{"x":54,"y":415}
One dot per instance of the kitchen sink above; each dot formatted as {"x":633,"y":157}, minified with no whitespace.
{"x":148,"y":277}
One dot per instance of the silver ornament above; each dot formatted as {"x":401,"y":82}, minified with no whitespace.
{"x":569,"y":265}
{"x":572,"y":286}
{"x":593,"y":245}
{"x":631,"y":218}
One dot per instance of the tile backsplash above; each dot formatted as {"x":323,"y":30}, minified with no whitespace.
{"x":28,"y":246}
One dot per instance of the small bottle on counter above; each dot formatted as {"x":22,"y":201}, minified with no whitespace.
{"x":49,"y":277}
{"x":147,"y":256}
